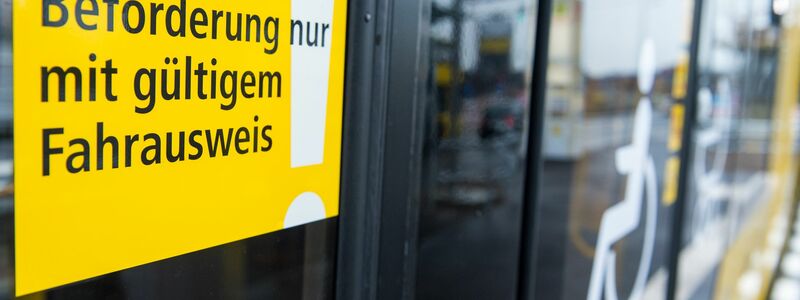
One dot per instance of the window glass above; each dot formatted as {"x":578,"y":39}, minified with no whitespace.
{"x":474,"y":149}
{"x":612,"y":138}
{"x":741,"y":156}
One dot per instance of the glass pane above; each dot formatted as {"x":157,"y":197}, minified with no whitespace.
{"x":612,"y":138}
{"x":742,"y":154}
{"x":474,"y":151}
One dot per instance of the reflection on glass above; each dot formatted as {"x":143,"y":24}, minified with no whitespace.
{"x":614,"y":117}
{"x":740,"y":157}
{"x":476,"y":120}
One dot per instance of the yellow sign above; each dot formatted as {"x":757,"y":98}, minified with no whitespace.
{"x":145,"y":130}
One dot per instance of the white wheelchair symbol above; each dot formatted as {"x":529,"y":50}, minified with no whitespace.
{"x":622,"y":218}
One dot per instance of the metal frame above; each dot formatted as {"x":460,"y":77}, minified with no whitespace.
{"x":526,"y":286}
{"x":687,"y":143}
{"x":403,"y":149}
{"x":363,"y":131}
{"x":379,"y":197}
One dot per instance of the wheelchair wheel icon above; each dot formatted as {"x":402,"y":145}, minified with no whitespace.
{"x":621,"y":219}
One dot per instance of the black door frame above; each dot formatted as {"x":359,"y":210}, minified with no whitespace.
{"x":381,"y":149}
{"x":687,"y":144}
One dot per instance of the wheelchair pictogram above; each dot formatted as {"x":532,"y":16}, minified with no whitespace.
{"x":621,"y":219}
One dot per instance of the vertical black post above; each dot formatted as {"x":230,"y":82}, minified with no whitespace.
{"x":526,"y":285}
{"x":408,"y":74}
{"x":382,"y":143}
{"x":687,"y":143}
{"x":362,"y":150}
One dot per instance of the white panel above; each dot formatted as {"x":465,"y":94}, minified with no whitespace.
{"x":310,"y":66}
